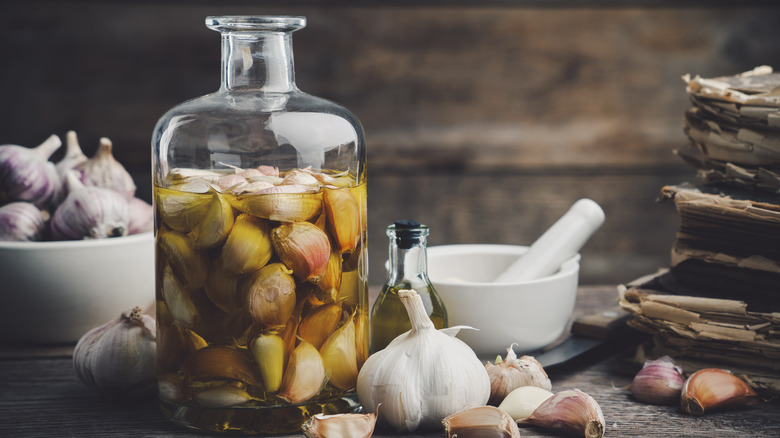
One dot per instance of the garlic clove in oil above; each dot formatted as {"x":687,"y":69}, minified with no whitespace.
{"x":339,"y":356}
{"x":343,"y":213}
{"x":304,"y":248}
{"x":179,"y":299}
{"x":282,"y":207}
{"x":119,"y":358}
{"x":22,"y":222}
{"x":270,"y":295}
{"x":658,"y":382}
{"x":269,"y":353}
{"x":180,"y":210}
{"x":190,"y":264}
{"x":570,"y":412}
{"x":713,"y":388}
{"x":90,"y":213}
{"x":221,"y":362}
{"x":213,"y":229}
{"x":319,"y":324}
{"x":305,"y":374}
{"x":481,"y":421}
{"x":514,"y":372}
{"x":339,"y":426}
{"x":523,"y":401}
{"x":248,"y":245}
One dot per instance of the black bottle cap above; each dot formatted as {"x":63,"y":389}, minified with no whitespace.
{"x":408,"y":233}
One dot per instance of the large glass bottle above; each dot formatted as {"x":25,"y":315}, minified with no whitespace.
{"x":408,"y":269}
{"x":261,"y":260}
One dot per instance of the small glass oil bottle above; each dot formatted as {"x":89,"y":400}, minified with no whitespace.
{"x":408,"y":270}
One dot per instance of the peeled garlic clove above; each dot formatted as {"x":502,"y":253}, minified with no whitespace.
{"x":344,"y":219}
{"x":213,"y":229}
{"x":523,"y":401}
{"x":223,"y":396}
{"x":658,"y":382}
{"x":248,"y":246}
{"x":26,"y":174}
{"x":103,"y":170}
{"x":221,"y":362}
{"x":512,"y":373}
{"x":118,"y":358}
{"x":571,"y":412}
{"x":141,"y":216}
{"x":305,"y":374}
{"x":319,"y":324}
{"x":328,"y":287}
{"x":713,"y":388}
{"x":361,"y":337}
{"x":481,"y":421}
{"x":304,"y":248}
{"x":22,"y":222}
{"x":339,"y":426}
{"x":221,"y":286}
{"x":269,"y":354}
{"x":190,"y":264}
{"x":340,"y":357}
{"x":283,"y":207}
{"x":178,"y":299}
{"x":90,"y":213}
{"x":270,"y":295}
{"x":180,"y":210}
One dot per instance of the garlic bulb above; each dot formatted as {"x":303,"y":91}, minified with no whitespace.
{"x":141,"y":216}
{"x":27,"y":175}
{"x":73,"y":155}
{"x":512,"y":373}
{"x":422,"y":376}
{"x":22,"y":222}
{"x":658,"y":382}
{"x":90,"y":213}
{"x":118,"y":358}
{"x":103,"y":170}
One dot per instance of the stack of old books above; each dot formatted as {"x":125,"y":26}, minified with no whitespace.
{"x":718,"y":303}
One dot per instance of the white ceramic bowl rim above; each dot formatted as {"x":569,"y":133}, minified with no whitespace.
{"x":568,"y":267}
{"x":66,"y":244}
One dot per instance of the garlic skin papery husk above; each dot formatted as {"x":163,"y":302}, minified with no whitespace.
{"x":90,"y":213}
{"x":659,"y":382}
{"x":339,"y":426}
{"x":422,"y":376}
{"x":103,"y":170}
{"x":481,"y":421}
{"x":713,"y":388}
{"x":570,"y":412}
{"x":514,"y":372}
{"x":74,"y":156}
{"x":119,"y":358}
{"x":26,"y":174}
{"x":22,"y":222}
{"x":523,"y":401}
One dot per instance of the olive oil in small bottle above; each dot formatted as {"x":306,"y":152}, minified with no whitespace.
{"x":408,"y":270}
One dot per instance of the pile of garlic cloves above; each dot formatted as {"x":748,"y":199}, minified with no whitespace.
{"x":76,"y":198}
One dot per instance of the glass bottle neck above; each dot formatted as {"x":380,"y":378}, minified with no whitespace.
{"x":409,"y":264}
{"x":257,"y":61}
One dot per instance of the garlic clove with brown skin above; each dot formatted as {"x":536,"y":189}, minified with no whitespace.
{"x":90,"y":213}
{"x":514,"y":372}
{"x":481,"y":421}
{"x":570,"y":412}
{"x":339,"y":426}
{"x":103,"y":170}
{"x":658,"y":382}
{"x":119,"y":358}
{"x":713,"y":388}
{"x":26,"y":174}
{"x":22,"y":222}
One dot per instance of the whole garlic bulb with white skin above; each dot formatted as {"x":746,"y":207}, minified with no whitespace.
{"x":659,"y":382}
{"x":512,"y":373}
{"x":74,"y":156}
{"x":26,"y":174}
{"x":141,"y":216}
{"x":103,"y":170}
{"x":119,"y":358}
{"x":22,"y":222}
{"x":422,"y":376}
{"x":90,"y":213}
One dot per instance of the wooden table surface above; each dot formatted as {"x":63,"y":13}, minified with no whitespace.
{"x":41,"y":396}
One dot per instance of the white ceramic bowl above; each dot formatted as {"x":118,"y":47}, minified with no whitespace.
{"x":531,"y":314}
{"x":54,"y":292}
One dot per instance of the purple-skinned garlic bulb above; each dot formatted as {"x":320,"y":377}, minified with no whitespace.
{"x":90,"y":213}
{"x":22,"y":222}
{"x":26,"y":174}
{"x":141,"y":216}
{"x":103,"y":170}
{"x":659,"y":382}
{"x":74,"y":156}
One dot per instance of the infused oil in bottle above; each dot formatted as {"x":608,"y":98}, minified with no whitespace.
{"x":408,"y":269}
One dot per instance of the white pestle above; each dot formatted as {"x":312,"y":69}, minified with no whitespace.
{"x":560,"y":242}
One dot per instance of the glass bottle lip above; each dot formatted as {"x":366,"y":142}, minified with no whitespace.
{"x":255,"y":23}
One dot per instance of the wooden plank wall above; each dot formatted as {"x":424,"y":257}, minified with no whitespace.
{"x":486,"y":123}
